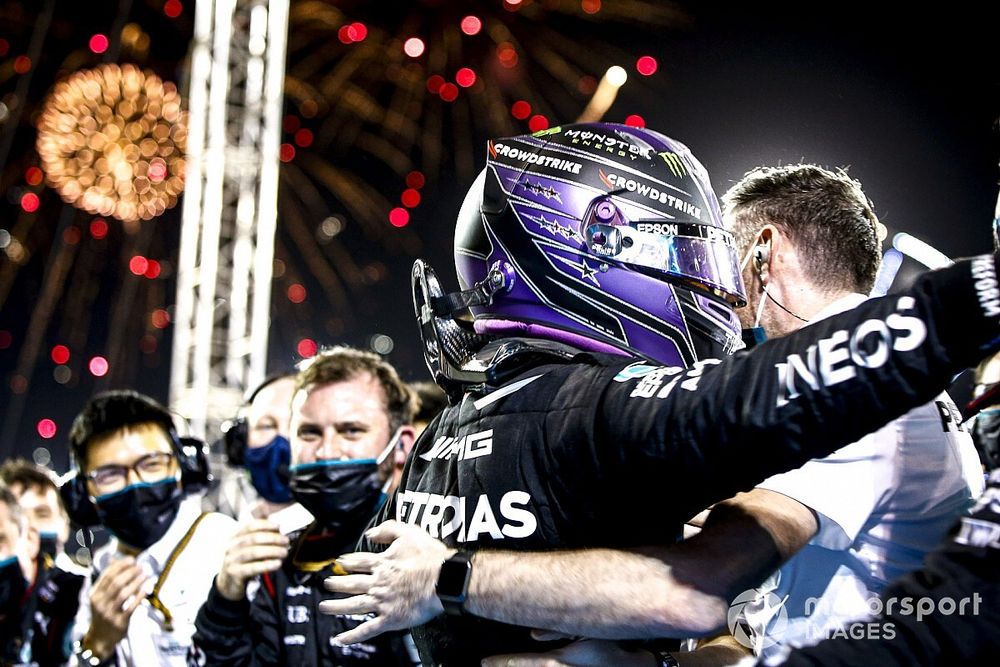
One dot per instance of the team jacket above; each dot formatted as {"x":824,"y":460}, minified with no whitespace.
{"x":282,"y":624}
{"x":574,"y":449}
{"x":46,"y":619}
{"x":961,"y":580}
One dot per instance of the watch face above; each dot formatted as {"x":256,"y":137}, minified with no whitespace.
{"x":453,"y":577}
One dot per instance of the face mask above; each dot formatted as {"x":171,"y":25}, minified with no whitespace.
{"x":341,"y":494}
{"x":140,"y":514}
{"x":266,"y":465}
{"x":12,"y":588}
{"x":48,"y":543}
{"x":986,"y":435}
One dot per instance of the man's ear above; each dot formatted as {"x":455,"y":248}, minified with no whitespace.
{"x":407,"y":437}
{"x":781,"y":248}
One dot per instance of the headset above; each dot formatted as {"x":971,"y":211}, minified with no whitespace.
{"x":233,"y":441}
{"x":236,"y":431}
{"x":192,"y":459}
{"x":761,"y":256}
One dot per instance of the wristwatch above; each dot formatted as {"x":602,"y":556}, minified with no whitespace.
{"x":453,"y":582}
{"x":86,"y":658}
{"x":665,"y":659}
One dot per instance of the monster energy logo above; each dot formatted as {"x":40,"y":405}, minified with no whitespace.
{"x":676,"y":166}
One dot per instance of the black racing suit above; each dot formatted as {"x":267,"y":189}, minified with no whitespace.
{"x":282,"y":624}
{"x":961,"y":579}
{"x":571,"y":449}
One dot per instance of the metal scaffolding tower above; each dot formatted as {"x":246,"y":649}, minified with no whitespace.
{"x":230,"y":207}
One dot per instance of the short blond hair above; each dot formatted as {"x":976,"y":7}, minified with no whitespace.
{"x":342,"y":363}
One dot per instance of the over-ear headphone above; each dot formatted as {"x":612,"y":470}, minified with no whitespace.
{"x":192,"y":459}
{"x":234,"y":440}
{"x":236,"y":431}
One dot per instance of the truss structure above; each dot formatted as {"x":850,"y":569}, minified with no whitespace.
{"x":230,"y":207}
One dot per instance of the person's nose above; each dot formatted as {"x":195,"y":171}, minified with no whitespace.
{"x":330,"y":449}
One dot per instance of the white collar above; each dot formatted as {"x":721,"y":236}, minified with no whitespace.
{"x":844,"y":303}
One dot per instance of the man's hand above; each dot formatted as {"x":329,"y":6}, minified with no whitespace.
{"x":256,"y":548}
{"x":583,"y":653}
{"x":397,"y":584}
{"x":117,"y":593}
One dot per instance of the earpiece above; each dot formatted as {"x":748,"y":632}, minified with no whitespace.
{"x":761,"y":256}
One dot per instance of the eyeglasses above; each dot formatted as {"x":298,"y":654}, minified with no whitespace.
{"x":150,"y":468}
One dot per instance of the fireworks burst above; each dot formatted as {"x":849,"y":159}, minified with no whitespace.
{"x":111,"y":141}
{"x":420,"y":85}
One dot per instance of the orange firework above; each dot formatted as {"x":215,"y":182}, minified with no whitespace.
{"x":111,"y":141}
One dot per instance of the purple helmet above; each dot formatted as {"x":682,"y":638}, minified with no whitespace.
{"x":605,"y":236}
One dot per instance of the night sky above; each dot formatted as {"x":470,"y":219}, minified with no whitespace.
{"x":907,"y":100}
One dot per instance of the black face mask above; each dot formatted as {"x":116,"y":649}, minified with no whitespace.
{"x":341,"y":495}
{"x":753,"y":337}
{"x":986,"y":435}
{"x":140,"y":514}
{"x":12,"y":588}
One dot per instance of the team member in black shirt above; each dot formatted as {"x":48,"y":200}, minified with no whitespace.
{"x":350,"y":429}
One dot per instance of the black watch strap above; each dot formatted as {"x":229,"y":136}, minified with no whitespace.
{"x":665,"y":659}
{"x":453,"y":582}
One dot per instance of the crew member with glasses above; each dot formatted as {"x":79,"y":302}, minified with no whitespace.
{"x":147,"y":584}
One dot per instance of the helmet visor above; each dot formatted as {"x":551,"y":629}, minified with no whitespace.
{"x":691,"y":251}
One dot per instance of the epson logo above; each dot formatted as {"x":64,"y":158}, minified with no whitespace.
{"x":836,"y":358}
{"x":673,"y":229}
{"x":658,"y":228}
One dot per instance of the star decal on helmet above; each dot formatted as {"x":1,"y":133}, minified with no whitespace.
{"x":587,"y":272}
{"x":539,"y":189}
{"x":553,"y":227}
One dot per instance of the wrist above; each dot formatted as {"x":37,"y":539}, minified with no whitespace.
{"x":435,"y":601}
{"x":92,"y":651}
{"x":230,"y":588}
{"x":454,"y":576}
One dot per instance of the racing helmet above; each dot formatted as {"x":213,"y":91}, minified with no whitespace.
{"x":604,"y":236}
